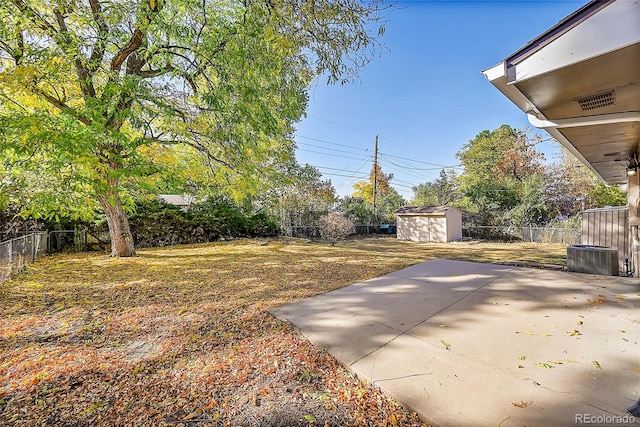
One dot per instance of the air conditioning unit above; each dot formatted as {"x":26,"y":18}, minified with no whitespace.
{"x":593,"y":259}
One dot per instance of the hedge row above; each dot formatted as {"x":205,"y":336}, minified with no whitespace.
{"x":160,"y":224}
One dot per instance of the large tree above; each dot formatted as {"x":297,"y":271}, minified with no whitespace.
{"x":95,"y":92}
{"x":365,"y":189}
{"x":378,"y":205}
{"x":440,"y":192}
{"x":301,"y":199}
{"x":500,"y":167}
{"x":571,"y":188}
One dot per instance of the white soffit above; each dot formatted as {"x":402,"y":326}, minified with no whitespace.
{"x":615,"y":26}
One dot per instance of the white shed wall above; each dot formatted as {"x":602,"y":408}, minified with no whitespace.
{"x":454,"y":225}
{"x":420,"y":228}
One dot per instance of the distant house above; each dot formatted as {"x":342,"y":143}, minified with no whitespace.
{"x":182,"y":200}
{"x":438,"y":224}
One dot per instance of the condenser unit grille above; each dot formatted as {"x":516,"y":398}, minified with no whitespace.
{"x":592,"y":259}
{"x":597,"y":101}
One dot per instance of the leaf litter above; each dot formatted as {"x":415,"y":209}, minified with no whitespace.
{"x":180,"y":335}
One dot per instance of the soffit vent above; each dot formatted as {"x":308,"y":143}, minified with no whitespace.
{"x":600,"y":100}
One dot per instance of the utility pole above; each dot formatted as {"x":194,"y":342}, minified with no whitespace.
{"x":375,"y":175}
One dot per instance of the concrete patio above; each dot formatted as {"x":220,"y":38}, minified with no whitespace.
{"x":470,"y":344}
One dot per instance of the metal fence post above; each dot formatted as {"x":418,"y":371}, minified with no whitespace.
{"x":26,"y":249}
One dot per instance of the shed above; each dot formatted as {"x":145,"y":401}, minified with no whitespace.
{"x":184,"y":201}
{"x":438,"y":224}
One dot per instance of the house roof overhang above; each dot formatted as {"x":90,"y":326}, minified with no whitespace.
{"x":580,"y":81}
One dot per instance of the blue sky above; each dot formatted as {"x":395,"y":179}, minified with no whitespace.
{"x":426,"y":96}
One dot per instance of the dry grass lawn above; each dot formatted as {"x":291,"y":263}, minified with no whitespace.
{"x":180,"y":336}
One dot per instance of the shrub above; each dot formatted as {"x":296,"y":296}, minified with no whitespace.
{"x":335,"y":227}
{"x":159,"y":224}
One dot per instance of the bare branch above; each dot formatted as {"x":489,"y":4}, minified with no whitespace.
{"x":204,"y":150}
{"x":134,"y":43}
{"x":158,"y":102}
{"x":132,"y":46}
{"x":149,"y":74}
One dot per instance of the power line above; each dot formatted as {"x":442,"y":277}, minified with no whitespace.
{"x":420,"y":161}
{"x":329,"y":142}
{"x":403,"y":170}
{"x":332,"y":149}
{"x":341,"y":125}
{"x":346,"y":170}
{"x":409,"y":167}
{"x":339,"y":170}
{"x":330,"y":154}
{"x":435,"y":165}
{"x":360,"y":175}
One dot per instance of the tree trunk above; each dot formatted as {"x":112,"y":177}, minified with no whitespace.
{"x":119,"y":231}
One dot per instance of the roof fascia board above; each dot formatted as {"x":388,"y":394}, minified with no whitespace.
{"x":495,"y":72}
{"x":552,"y":34}
{"x":585,"y":40}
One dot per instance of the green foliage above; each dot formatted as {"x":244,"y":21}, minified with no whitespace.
{"x":606,"y":195}
{"x":425,"y":194}
{"x":360,"y":206}
{"x":357,"y":210}
{"x":109,"y":100}
{"x":498,"y":169}
{"x":442,"y":191}
{"x":156,"y":223}
{"x":364,"y":189}
{"x":505,"y":182}
{"x":301,"y":199}
{"x":387,"y":205}
{"x":531,"y":208}
{"x":361,"y":211}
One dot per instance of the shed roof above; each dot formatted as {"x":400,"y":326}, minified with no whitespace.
{"x":424,"y":210}
{"x":177,"y":199}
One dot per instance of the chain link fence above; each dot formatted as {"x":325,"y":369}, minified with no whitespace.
{"x":68,"y":240}
{"x":312,"y":232}
{"x":17,"y":253}
{"x":569,"y":236}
